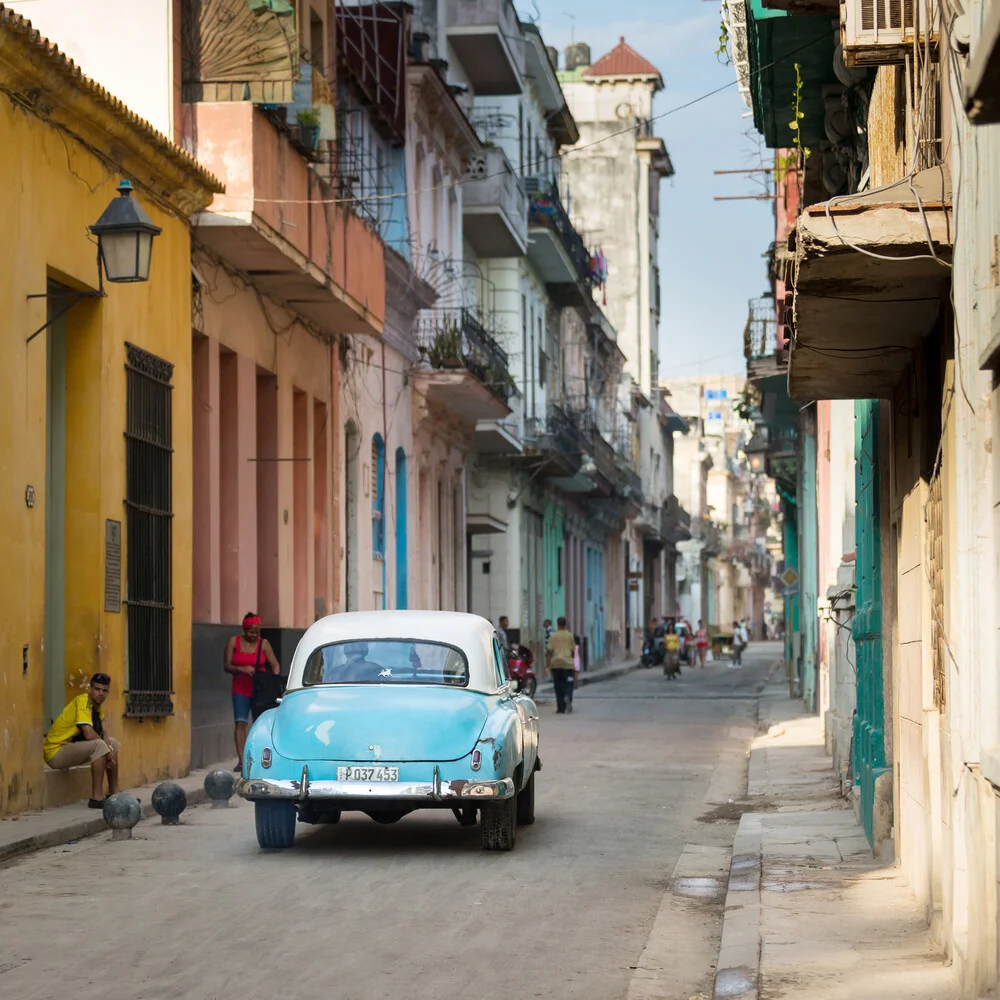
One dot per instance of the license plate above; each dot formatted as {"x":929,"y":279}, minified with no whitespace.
{"x":368,"y":773}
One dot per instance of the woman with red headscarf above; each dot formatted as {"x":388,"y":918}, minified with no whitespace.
{"x":245,"y":655}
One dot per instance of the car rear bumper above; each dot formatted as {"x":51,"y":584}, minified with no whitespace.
{"x":436,"y":790}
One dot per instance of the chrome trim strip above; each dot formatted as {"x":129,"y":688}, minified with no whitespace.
{"x":436,"y":790}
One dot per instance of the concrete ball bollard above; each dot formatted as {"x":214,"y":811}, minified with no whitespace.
{"x":169,"y":800}
{"x":220,"y":786}
{"x":121,"y":813}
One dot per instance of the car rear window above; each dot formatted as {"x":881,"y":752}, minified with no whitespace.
{"x":387,"y":661}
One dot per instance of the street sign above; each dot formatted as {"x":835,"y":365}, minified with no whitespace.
{"x":790,"y":577}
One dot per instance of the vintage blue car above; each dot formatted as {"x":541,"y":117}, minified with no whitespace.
{"x":390,"y":711}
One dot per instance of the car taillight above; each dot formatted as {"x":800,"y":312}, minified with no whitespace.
{"x":265,"y":757}
{"x":477,"y":759}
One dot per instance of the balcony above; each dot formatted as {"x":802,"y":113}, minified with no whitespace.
{"x":557,"y":440}
{"x":675,"y":521}
{"x":860,"y":317}
{"x":709,"y":534}
{"x":494,"y":206}
{"x":275,"y":222}
{"x":765,"y":356}
{"x":468,"y":370}
{"x":486,"y":37}
{"x":554,"y":246}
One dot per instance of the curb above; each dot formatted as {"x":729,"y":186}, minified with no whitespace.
{"x":78,"y":829}
{"x":737,"y":974}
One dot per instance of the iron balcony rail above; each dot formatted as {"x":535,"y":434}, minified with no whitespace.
{"x":772,"y":440}
{"x":760,"y":336}
{"x":484,"y":357}
{"x":458,"y":339}
{"x":546,"y":209}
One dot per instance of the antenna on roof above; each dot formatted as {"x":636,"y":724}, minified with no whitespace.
{"x":572,"y":26}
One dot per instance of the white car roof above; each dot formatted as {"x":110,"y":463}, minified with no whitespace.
{"x":469,"y":633}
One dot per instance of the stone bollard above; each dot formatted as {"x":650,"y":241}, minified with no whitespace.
{"x":169,"y":800}
{"x":121,"y":813}
{"x":220,"y":786}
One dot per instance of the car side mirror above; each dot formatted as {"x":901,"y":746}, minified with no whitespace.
{"x":278,"y":701}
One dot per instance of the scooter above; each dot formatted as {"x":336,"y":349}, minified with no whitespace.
{"x":652,"y":652}
{"x":520,"y":665}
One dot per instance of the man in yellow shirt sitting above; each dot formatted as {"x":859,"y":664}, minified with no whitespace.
{"x":79,"y":736}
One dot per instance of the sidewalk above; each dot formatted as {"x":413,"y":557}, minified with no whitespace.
{"x":32,"y":831}
{"x":808,"y":911}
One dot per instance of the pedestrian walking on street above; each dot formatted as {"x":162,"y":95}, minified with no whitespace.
{"x":739,"y":642}
{"x":559,"y":654}
{"x":79,"y":736}
{"x":701,"y":643}
{"x":245,"y":655}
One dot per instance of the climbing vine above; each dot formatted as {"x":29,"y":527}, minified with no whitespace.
{"x":799,"y":114}
{"x":722,"y":52}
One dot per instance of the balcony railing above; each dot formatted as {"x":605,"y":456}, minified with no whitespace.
{"x":546,"y":209}
{"x":760,"y":337}
{"x":772,"y":440}
{"x":458,"y":339}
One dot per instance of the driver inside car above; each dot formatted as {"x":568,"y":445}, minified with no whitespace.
{"x":357,"y":666}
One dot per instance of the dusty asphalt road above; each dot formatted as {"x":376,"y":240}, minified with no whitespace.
{"x":417,"y":910}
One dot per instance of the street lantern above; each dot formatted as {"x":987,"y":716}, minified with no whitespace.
{"x":757,"y":461}
{"x":125,"y":238}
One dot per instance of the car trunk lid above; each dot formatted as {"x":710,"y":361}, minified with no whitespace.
{"x":401,"y":722}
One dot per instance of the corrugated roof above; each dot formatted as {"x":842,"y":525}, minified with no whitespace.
{"x":623,"y":60}
{"x":20,"y":28}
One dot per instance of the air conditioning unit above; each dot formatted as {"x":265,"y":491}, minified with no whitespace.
{"x":881,"y":32}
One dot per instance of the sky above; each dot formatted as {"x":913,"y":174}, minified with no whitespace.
{"x":711,"y":259}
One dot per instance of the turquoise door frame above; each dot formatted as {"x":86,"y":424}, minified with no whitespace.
{"x":401,"y":559}
{"x":869,"y":720}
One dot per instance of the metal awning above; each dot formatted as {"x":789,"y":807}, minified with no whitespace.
{"x":867,"y":287}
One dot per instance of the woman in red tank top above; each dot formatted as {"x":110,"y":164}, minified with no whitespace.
{"x":245,"y":655}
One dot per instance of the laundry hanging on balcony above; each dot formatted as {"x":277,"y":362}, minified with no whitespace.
{"x":599,"y":272}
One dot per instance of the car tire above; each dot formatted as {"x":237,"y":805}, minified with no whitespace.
{"x":275,"y":823}
{"x":526,"y":803}
{"x":499,"y":824}
{"x":531,"y":686}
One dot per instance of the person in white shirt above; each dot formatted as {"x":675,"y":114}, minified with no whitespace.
{"x":740,"y":640}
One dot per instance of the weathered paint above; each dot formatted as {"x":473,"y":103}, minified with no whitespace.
{"x":62,"y":187}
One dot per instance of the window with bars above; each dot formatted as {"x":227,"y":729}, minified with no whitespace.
{"x":378,"y":497}
{"x":149,"y":516}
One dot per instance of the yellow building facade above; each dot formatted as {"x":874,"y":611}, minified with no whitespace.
{"x":95,"y":427}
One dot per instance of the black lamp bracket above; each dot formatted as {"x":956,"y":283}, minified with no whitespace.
{"x":72,"y":296}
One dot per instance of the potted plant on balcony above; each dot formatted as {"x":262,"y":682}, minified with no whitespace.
{"x":308,"y":119}
{"x":445,"y":350}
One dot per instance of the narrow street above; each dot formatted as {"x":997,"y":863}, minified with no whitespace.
{"x":635,"y":822}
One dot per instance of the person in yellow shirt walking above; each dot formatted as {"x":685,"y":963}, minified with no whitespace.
{"x":559,"y":664}
{"x":79,"y":736}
